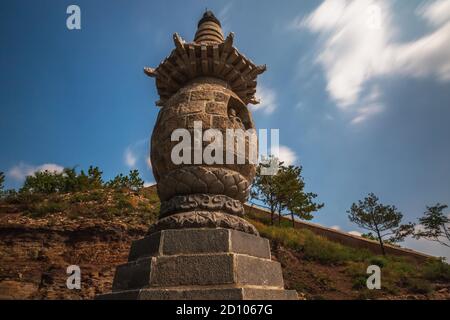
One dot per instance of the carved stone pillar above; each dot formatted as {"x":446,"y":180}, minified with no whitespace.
{"x":201,"y":247}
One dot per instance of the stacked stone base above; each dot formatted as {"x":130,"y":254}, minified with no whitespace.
{"x":202,"y":294}
{"x":200,"y":264}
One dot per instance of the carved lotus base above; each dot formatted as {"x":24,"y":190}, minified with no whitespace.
{"x":203,"y":219}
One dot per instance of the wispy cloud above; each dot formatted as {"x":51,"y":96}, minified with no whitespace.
{"x":364,"y":113}
{"x":357,"y":45}
{"x":435,"y":12}
{"x":136,"y":153}
{"x":20,"y":171}
{"x":149,"y":162}
{"x":130,"y":157}
{"x":224,"y":16}
{"x":355,"y":233}
{"x":368,"y":106}
{"x":268,"y":99}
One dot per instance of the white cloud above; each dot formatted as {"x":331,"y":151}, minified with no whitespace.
{"x":224,"y":15}
{"x":268,"y":99}
{"x":137,"y":153}
{"x":335,"y":227}
{"x":130,"y":157}
{"x":357,"y":45}
{"x":22,"y":170}
{"x":285,"y":154}
{"x":148,"y":161}
{"x":355,"y":233}
{"x":368,"y":107}
{"x":364,"y":113}
{"x":436,"y":12}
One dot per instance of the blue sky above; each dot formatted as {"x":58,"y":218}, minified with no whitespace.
{"x":359,"y":90}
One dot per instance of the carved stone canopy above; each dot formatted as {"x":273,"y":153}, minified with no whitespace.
{"x":207,"y":55}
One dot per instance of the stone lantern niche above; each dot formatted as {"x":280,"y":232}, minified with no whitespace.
{"x":201,"y":247}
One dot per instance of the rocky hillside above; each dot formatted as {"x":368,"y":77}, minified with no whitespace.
{"x":41,"y":235}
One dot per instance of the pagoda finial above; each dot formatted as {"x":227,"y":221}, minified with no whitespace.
{"x":209,"y":29}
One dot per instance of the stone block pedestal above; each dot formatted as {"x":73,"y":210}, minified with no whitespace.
{"x":199,"y":264}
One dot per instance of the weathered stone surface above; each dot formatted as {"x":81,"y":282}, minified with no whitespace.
{"x":203,"y":219}
{"x":193,"y":270}
{"x":181,"y":264}
{"x":268,"y":294}
{"x":198,"y":179}
{"x":146,"y":247}
{"x":209,"y":202}
{"x":203,"y":294}
{"x":177,"y":115}
{"x":201,"y":95}
{"x":196,"y":241}
{"x":198,"y":270}
{"x":133,"y":275}
{"x":192,"y":107}
{"x":257,"y":271}
{"x":220,"y":96}
{"x":216,"y":108}
{"x":204,"y":118}
{"x":245,"y":243}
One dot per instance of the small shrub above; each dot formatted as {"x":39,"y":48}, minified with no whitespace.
{"x":10,"y":196}
{"x":355,"y":268}
{"x":96,"y":195}
{"x":132,"y":181}
{"x":123,"y":201}
{"x":360,"y":282}
{"x":378,"y":261}
{"x":325,"y":251}
{"x":389,"y":286}
{"x":419,"y":286}
{"x":42,"y":209}
{"x":287,"y":237}
{"x":313,"y":246}
{"x":397,"y":267}
{"x":437,"y":270}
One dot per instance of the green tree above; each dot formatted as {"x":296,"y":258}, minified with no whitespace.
{"x":132,"y":181}
{"x":136,"y":183}
{"x":383,"y":220}
{"x":284,"y":190}
{"x":95,"y":178}
{"x":70,"y":180}
{"x":290,"y":192}
{"x":67,"y":181}
{"x":43,"y":182}
{"x":118,"y":182}
{"x":264,"y":189}
{"x":435,"y":225}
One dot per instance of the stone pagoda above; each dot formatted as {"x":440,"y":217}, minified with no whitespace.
{"x":201,"y":247}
